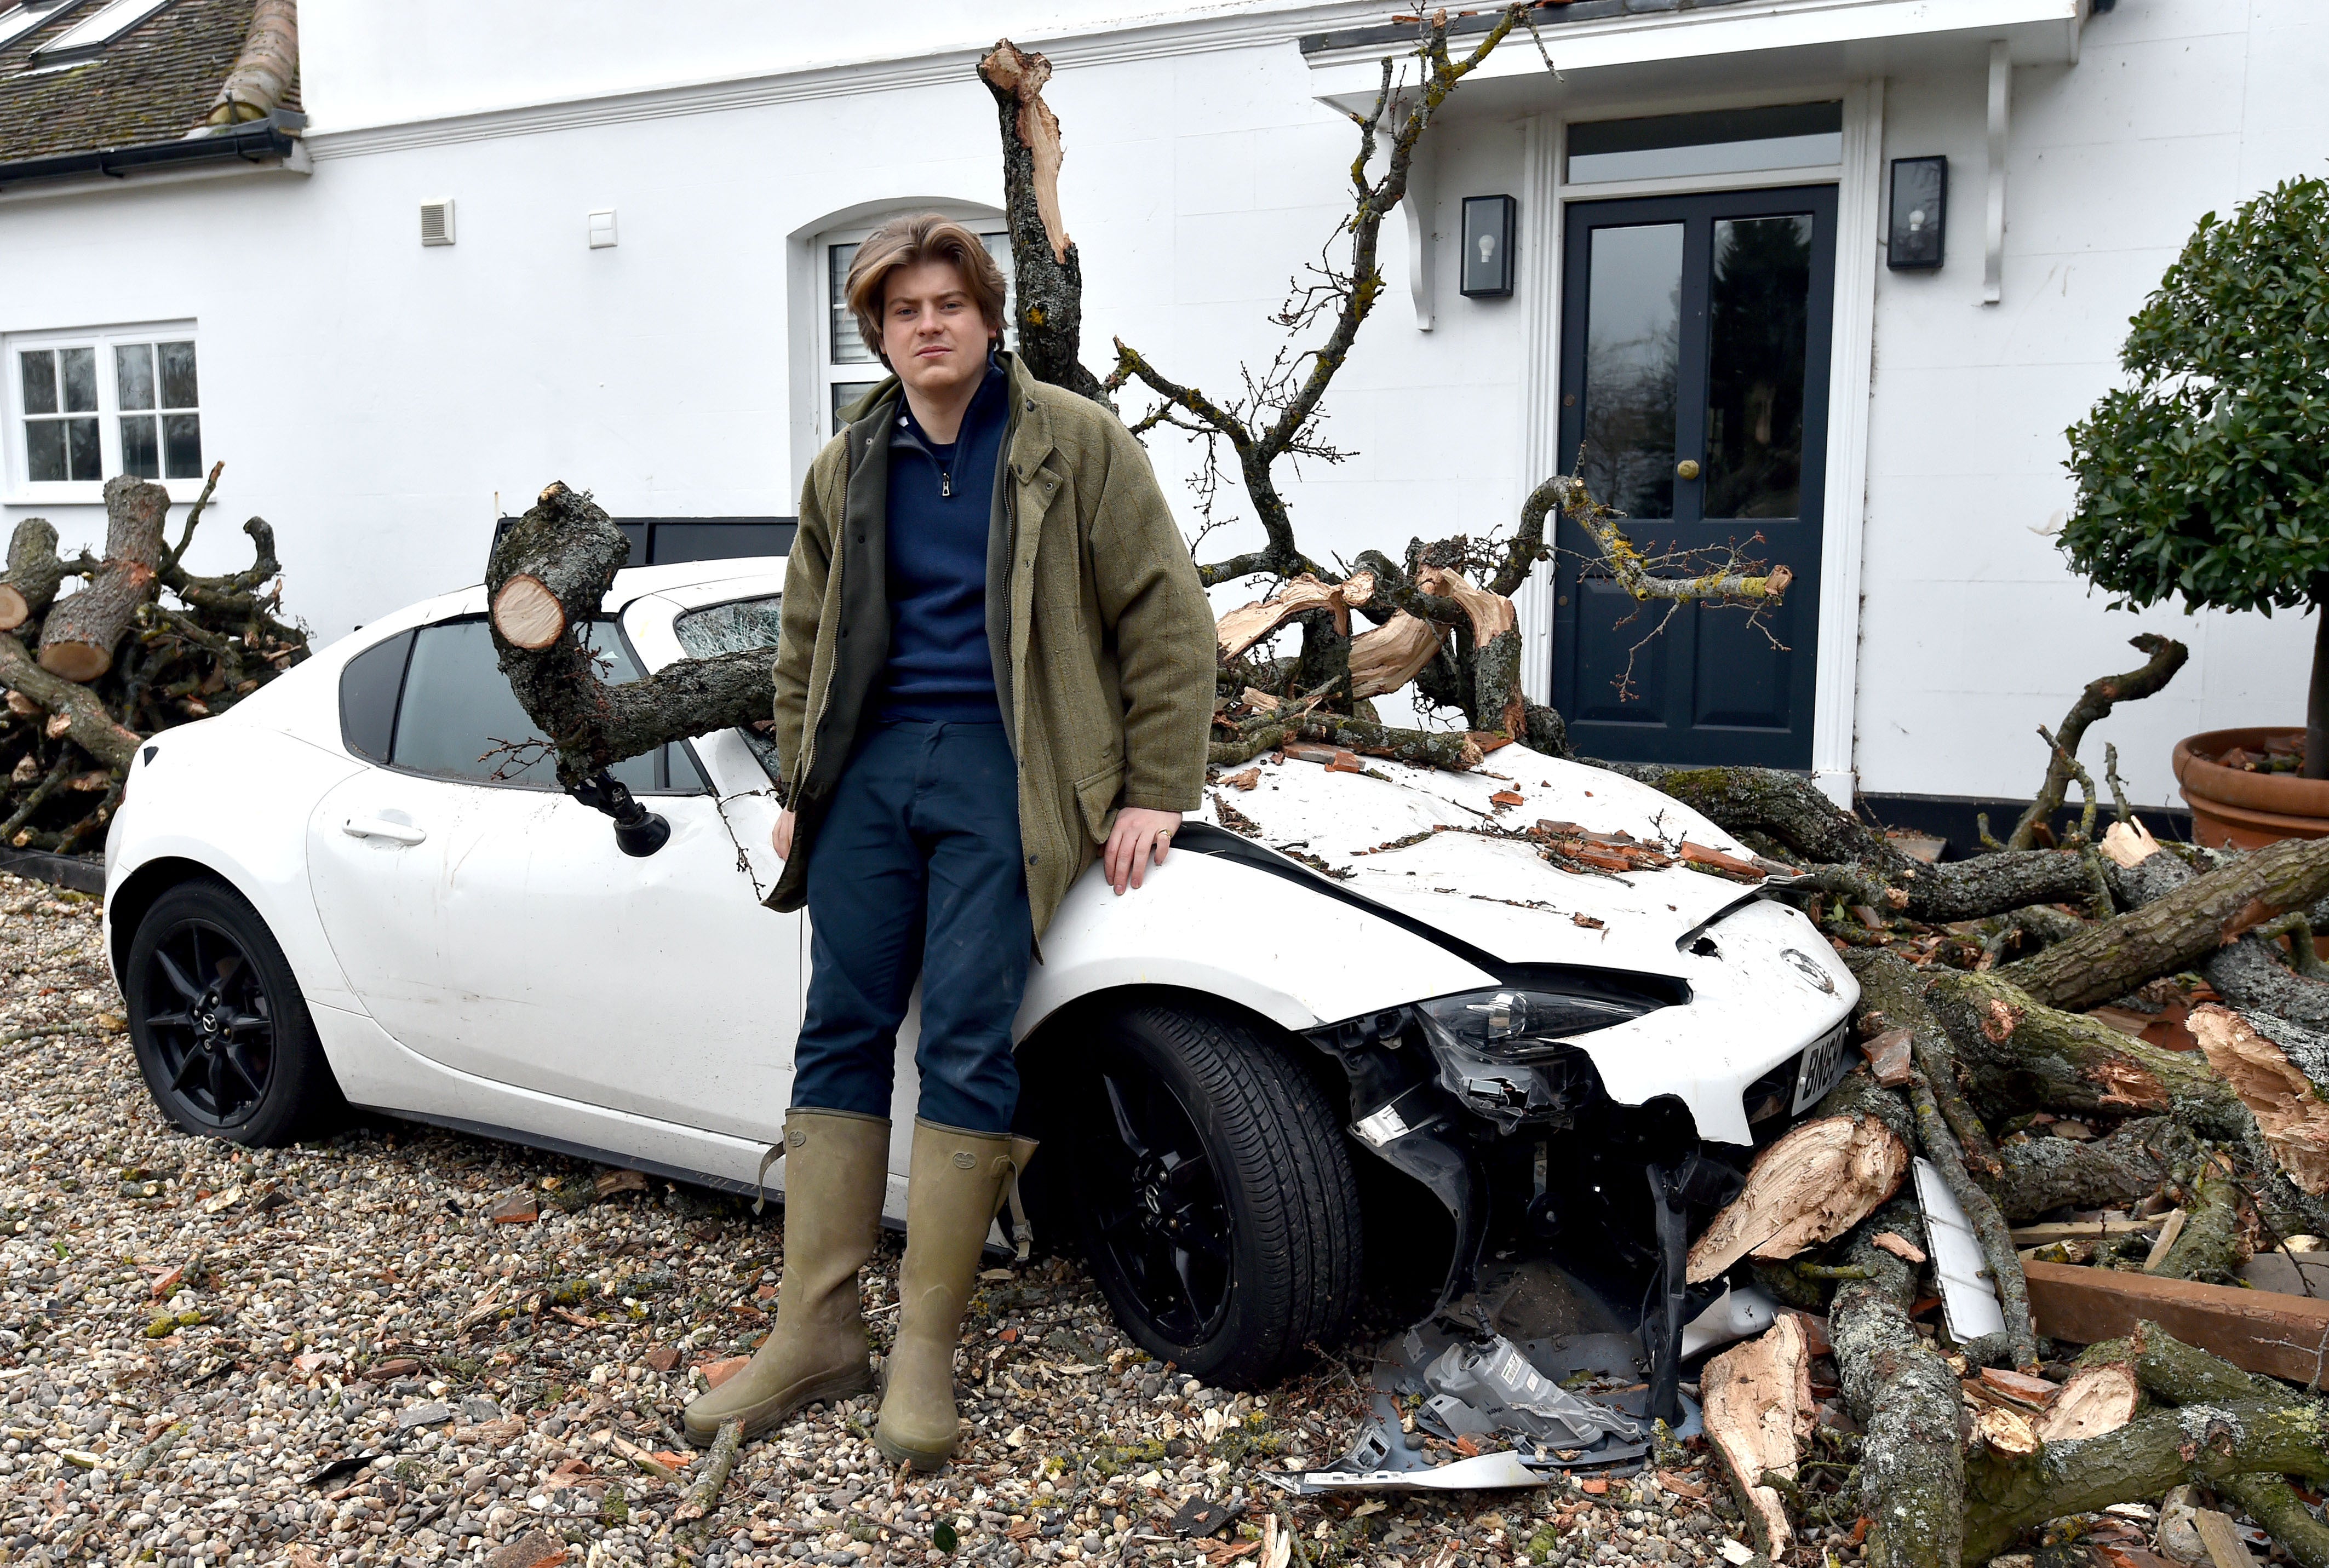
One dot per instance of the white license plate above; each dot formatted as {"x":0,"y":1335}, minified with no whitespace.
{"x":1825,"y":1063}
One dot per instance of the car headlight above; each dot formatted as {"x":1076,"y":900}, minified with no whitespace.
{"x":1512,"y":1024}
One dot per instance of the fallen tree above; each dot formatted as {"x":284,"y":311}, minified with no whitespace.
{"x":142,"y":644}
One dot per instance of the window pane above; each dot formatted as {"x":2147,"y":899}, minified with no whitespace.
{"x":40,"y":370}
{"x":44,"y":450}
{"x":998,"y":245}
{"x":80,"y":443}
{"x":178,"y":390}
{"x":1633,"y":332}
{"x":1759,"y":328}
{"x":731,"y":628}
{"x":680,"y":771}
{"x":141,"y":453}
{"x":848,"y":344}
{"x":133,"y":373}
{"x":846,"y":392}
{"x":368,"y":687}
{"x":79,"y":366}
{"x":1710,"y":142}
{"x":458,"y":708}
{"x":182,"y":445}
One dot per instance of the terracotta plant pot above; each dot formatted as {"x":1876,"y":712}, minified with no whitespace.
{"x":2234,"y":808}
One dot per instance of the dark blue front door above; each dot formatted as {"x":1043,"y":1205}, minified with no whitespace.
{"x":1694,"y":382}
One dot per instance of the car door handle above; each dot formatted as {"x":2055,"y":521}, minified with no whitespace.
{"x":379,"y":827}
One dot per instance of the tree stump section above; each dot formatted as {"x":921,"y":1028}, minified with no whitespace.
{"x":34,"y":574}
{"x":79,"y":635}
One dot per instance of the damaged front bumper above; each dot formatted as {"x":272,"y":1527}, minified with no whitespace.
{"x":1575,"y":1111}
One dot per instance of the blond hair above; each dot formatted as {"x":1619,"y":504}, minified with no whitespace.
{"x":909,"y":242}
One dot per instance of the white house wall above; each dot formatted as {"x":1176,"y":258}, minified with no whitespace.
{"x":372,"y":397}
{"x":1973,"y":633}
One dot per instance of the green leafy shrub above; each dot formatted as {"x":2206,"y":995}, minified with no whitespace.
{"x":2207,"y":478}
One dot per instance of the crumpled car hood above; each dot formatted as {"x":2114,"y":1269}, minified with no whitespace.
{"x":1425,"y":842}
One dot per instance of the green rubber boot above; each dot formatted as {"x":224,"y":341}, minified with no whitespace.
{"x":958,"y":1186}
{"x":836,"y":1169}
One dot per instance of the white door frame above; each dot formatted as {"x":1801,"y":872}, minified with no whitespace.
{"x":1859,"y":181}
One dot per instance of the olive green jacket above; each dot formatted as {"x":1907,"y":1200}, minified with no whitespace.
{"x":1101,"y":639}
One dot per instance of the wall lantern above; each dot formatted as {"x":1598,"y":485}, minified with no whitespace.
{"x":1920,"y":207}
{"x":1488,"y":246}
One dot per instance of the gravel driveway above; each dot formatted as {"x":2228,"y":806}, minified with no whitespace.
{"x":405,"y":1345}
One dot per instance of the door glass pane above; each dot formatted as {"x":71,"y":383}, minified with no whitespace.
{"x":40,"y":371}
{"x":133,"y":372}
{"x":44,"y":450}
{"x":141,"y":453}
{"x":178,"y":390}
{"x":998,"y":245}
{"x":458,"y":710}
{"x":1758,"y":322}
{"x":80,"y":366}
{"x":848,"y":347}
{"x":80,"y":441}
{"x":182,"y":445}
{"x":1633,"y":331}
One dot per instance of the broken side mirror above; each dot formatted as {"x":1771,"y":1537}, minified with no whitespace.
{"x":638,"y":832}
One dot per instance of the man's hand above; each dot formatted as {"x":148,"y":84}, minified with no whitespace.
{"x":782,"y":837}
{"x":1138,"y":834}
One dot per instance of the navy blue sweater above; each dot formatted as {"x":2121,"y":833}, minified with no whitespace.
{"x":941,"y":502}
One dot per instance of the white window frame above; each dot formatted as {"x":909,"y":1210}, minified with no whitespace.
{"x":830,"y":374}
{"x":16,"y":461}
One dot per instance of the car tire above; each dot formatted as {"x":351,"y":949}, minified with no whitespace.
{"x":223,"y":1034}
{"x":1174,"y":1120}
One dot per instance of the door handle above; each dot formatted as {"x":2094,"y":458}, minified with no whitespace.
{"x":1687,"y":468}
{"x":402,"y":833}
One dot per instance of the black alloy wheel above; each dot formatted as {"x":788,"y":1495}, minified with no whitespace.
{"x":1209,"y":1183}
{"x":222,"y":1035}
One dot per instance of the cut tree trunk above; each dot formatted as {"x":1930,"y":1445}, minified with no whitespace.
{"x":2040,"y":1174}
{"x":1905,"y":1400}
{"x":80,"y":633}
{"x":2179,"y":929}
{"x":1756,"y":1403}
{"x":565,"y":543}
{"x":1048,"y":270}
{"x":34,"y":574}
{"x":1495,"y":648}
{"x":1811,"y":1186}
{"x":86,"y":719}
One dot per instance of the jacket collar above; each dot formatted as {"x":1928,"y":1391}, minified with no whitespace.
{"x":1031,"y":422}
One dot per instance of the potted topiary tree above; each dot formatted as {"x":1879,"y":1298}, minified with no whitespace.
{"x":2207,"y":479}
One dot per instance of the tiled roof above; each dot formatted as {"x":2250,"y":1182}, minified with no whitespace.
{"x":153,"y":84}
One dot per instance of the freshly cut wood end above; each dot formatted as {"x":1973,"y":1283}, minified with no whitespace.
{"x":2008,"y":1432}
{"x":76,"y":661}
{"x":23,"y":706}
{"x":13,"y":611}
{"x":528,"y":614}
{"x":2096,"y":1400}
{"x":1810,"y":1187}
{"x":1758,"y":1407}
{"x":2288,"y":1110}
{"x":2128,"y":843}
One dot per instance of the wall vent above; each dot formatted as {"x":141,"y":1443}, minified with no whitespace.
{"x":437,"y":223}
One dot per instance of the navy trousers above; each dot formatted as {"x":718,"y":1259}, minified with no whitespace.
{"x":916,"y":871}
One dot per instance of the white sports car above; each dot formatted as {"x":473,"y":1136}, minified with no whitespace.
{"x":1510,"y":993}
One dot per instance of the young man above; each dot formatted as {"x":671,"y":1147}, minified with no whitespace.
{"x":997,"y":663}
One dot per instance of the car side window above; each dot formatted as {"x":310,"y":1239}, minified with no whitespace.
{"x":456,"y":717}
{"x":736,"y":627}
{"x":369,"y":684}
